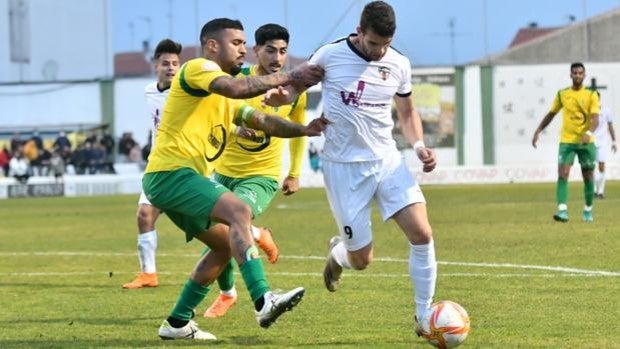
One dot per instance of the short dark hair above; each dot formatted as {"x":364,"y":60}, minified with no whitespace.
{"x":577,"y":65}
{"x":214,"y":26}
{"x":269,"y":32}
{"x":378,"y":16}
{"x":167,"y":46}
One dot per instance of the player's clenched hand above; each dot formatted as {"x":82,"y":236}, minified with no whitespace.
{"x":316,"y":126}
{"x":290,"y":185}
{"x":276,"y":97}
{"x":427,"y":156}
{"x":307,"y":74}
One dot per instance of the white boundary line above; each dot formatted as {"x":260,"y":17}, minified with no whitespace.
{"x":563,"y":270}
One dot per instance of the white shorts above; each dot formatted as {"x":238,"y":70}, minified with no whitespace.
{"x":351,"y":187}
{"x":143,"y":200}
{"x":602,"y":152}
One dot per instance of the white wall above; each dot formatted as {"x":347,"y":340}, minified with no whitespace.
{"x":68,"y":40}
{"x":472,"y":133}
{"x":38,"y":105}
{"x":130,"y":110}
{"x":522,"y":97}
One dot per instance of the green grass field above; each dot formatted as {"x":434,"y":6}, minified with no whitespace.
{"x":526,"y":281}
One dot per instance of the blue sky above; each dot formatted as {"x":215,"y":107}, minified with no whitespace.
{"x":423,"y":27}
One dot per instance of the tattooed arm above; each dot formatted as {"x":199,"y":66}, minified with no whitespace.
{"x":278,"y":126}
{"x":252,"y":86}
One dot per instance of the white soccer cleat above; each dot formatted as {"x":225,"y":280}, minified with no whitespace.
{"x":189,"y":331}
{"x":276,"y":304}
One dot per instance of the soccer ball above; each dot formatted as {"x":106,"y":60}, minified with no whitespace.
{"x":446,"y":325}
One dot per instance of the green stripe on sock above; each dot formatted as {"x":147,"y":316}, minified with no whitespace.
{"x":226,"y":280}
{"x":588,"y":191}
{"x":254,"y":278}
{"x":562,"y":191}
{"x":191,"y":295}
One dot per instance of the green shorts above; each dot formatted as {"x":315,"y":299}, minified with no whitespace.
{"x":257,"y":192}
{"x":585,"y":152}
{"x":185,"y":196}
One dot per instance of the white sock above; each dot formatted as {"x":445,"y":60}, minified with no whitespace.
{"x":587,"y":208}
{"x":601,"y":185}
{"x":597,"y":181}
{"x":147,"y":245}
{"x":423,"y":274}
{"x":340,"y":254}
{"x":230,"y":293}
{"x":255,"y":233}
{"x":562,"y":207}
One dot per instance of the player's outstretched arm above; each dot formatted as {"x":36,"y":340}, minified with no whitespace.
{"x":252,"y":86}
{"x":278,"y":126}
{"x":411,"y":125}
{"x":543,"y":124}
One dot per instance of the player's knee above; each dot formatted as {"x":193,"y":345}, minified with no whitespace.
{"x":422,"y":236}
{"x":360,"y":261}
{"x":146,"y":220}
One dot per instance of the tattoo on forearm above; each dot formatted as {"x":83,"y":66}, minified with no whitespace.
{"x":275,"y":126}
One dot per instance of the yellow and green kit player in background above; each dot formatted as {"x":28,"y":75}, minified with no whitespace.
{"x":197,"y":121}
{"x":251,"y":166}
{"x":579,"y":120}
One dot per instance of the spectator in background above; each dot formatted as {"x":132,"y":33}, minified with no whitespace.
{"x":19,"y":167}
{"x":57,"y":166}
{"x":92,"y":139}
{"x":108,"y":143}
{"x":313,"y":153}
{"x":78,"y":159}
{"x":62,"y":144}
{"x":31,"y":152}
{"x":16,"y":141}
{"x":38,"y":141}
{"x":125,"y":145}
{"x":5,"y":158}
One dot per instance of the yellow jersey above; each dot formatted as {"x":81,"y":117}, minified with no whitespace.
{"x":578,"y":105}
{"x":261,"y":154}
{"x":195,"y":123}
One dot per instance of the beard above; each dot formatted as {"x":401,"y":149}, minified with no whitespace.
{"x":236,"y":69}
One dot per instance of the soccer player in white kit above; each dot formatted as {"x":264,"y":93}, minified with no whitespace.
{"x":363,"y":75}
{"x":167,"y":63}
{"x":602,"y":134}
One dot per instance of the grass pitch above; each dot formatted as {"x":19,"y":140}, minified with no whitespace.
{"x":526,"y":281}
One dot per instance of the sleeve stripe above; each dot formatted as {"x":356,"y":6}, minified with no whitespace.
{"x":189,"y":90}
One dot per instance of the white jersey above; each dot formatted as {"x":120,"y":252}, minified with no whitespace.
{"x":601,"y":134}
{"x":155,"y":99}
{"x":357,"y":97}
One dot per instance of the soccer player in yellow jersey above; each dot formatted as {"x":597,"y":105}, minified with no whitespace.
{"x":197,"y":121}
{"x":251,"y":165}
{"x":579,"y":120}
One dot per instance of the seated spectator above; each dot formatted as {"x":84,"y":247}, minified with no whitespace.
{"x":78,"y":159}
{"x":38,"y":141}
{"x":44,"y":161}
{"x":57,"y":166}
{"x":16,"y":141}
{"x":63,"y":145}
{"x":19,"y":167}
{"x":5,"y":157}
{"x":31,"y":152}
{"x":125,"y":144}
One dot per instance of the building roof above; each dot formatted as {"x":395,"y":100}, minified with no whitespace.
{"x":590,"y":40}
{"x":526,"y":34}
{"x":132,"y":64}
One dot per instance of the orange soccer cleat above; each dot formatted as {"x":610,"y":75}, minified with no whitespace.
{"x":143,"y":280}
{"x":266,"y":243}
{"x":220,"y":306}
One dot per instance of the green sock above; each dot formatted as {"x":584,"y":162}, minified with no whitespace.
{"x":226,"y":280}
{"x":561,"y":192}
{"x":254,"y":278}
{"x":204,"y":252}
{"x":588,"y":191}
{"x":191,"y":295}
